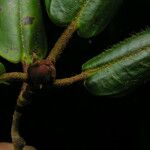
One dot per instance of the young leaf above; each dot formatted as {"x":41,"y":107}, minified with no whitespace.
{"x":91,"y":16}
{"x":120,"y":68}
{"x":21,"y":30}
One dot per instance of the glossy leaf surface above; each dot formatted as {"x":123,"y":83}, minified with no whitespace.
{"x":120,"y":68}
{"x":91,"y":16}
{"x":21,"y":30}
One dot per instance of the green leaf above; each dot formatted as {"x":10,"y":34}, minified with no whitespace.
{"x":91,"y":16}
{"x":2,"y":69}
{"x":21,"y":30}
{"x":121,"y":68}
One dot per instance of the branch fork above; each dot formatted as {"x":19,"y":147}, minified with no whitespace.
{"x":36,"y":75}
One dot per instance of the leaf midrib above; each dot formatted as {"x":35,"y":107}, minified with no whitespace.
{"x":81,"y":10}
{"x":22,"y":47}
{"x":114,"y":61}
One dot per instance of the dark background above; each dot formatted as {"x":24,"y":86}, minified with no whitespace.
{"x":70,"y":118}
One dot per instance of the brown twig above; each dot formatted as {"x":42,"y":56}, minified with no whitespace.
{"x":23,"y":100}
{"x":13,"y":76}
{"x":58,"y":82}
{"x":18,"y":142}
{"x":62,"y":42}
{"x":70,"y":80}
{"x":77,"y":78}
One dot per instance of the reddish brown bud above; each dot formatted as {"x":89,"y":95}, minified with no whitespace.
{"x":41,"y":73}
